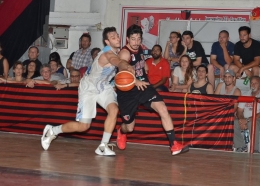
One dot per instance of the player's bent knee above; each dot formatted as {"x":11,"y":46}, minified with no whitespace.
{"x":83,"y":127}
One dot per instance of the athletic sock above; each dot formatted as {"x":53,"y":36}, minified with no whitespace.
{"x":106,"y":137}
{"x":171,"y":136}
{"x":57,"y":130}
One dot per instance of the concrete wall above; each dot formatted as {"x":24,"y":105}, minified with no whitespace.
{"x":83,"y":15}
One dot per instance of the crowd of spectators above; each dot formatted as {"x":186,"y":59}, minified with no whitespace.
{"x":183,"y":67}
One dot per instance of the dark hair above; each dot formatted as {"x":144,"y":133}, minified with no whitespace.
{"x":34,"y":47}
{"x":179,"y":48}
{"x":94,"y":50}
{"x":244,"y":28}
{"x":159,"y":46}
{"x":36,"y":73}
{"x":187,"y":32}
{"x":255,"y":77}
{"x":85,"y":35}
{"x":105,"y":32}
{"x":203,"y":66}
{"x":188,"y":73}
{"x":134,"y":29}
{"x":54,"y":61}
{"x":16,"y":64}
{"x":224,"y":31}
{"x":55,"y":56}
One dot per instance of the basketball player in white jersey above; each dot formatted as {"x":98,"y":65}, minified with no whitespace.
{"x":95,"y":88}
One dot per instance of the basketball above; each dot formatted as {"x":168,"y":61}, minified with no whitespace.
{"x":124,"y":80}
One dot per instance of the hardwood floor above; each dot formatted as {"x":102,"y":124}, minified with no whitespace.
{"x":73,"y":162}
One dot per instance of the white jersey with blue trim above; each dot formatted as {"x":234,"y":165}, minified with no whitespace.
{"x":99,"y":76}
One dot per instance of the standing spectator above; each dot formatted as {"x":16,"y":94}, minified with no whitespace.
{"x":82,"y":57}
{"x":227,"y":87}
{"x":246,"y":50}
{"x":202,"y":86}
{"x":244,"y":114}
{"x":158,"y":70}
{"x":94,"y":52}
{"x":197,"y":54}
{"x":4,"y":65}
{"x":182,"y":75}
{"x":222,"y":53}
{"x":33,"y":54}
{"x":30,"y":71}
{"x":18,"y":71}
{"x":55,"y":56}
{"x":174,"y":49}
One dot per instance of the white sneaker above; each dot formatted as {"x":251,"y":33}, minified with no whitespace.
{"x":47,"y":137}
{"x":104,"y":150}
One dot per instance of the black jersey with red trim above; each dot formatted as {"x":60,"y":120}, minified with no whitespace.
{"x":137,"y":61}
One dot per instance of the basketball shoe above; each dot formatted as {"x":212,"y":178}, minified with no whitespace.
{"x":104,"y":150}
{"x":177,"y":148}
{"x":47,"y":136}
{"x":121,"y":139}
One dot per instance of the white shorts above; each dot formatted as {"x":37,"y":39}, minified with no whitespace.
{"x":88,"y":102}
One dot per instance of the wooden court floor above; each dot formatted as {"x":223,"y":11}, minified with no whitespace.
{"x":73,"y":162}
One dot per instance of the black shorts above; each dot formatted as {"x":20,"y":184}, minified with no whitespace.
{"x":129,"y":101}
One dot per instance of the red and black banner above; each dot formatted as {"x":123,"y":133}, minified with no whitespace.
{"x":199,"y":120}
{"x":21,"y":23}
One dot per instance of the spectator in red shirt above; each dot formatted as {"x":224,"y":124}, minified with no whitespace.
{"x":158,"y":70}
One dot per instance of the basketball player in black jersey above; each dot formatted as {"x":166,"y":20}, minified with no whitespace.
{"x":142,"y":93}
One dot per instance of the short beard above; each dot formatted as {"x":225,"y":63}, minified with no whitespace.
{"x":156,"y":57}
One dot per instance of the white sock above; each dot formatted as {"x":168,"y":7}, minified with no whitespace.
{"x":106,"y":137}
{"x":57,"y":130}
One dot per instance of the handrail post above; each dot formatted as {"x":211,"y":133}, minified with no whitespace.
{"x":253,"y":127}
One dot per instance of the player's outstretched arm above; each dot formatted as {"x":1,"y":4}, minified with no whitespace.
{"x":120,"y":63}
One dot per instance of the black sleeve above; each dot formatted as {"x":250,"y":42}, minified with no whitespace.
{"x":199,"y":49}
{"x":257,"y":49}
{"x":237,"y":49}
{"x":71,"y":55}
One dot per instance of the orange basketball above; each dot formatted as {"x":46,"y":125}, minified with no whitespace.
{"x":124,"y":80}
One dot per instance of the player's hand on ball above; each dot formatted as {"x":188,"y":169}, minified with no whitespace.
{"x":131,"y":69}
{"x":141,"y":85}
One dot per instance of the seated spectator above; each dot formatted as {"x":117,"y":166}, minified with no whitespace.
{"x":227,"y":87}
{"x":33,"y":54}
{"x":18,"y":71}
{"x":158,"y":70}
{"x":244,"y":121}
{"x":182,"y":75}
{"x":174,"y":49}
{"x":4,"y":65}
{"x":54,"y":56}
{"x":222,"y":53}
{"x":197,"y":54}
{"x":54,"y":67}
{"x":73,"y":81}
{"x":201,"y":86}
{"x":30,"y":71}
{"x":246,"y":55}
{"x":45,"y":78}
{"x":94,"y":52}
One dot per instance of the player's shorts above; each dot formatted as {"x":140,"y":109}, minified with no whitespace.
{"x":88,"y":101}
{"x":129,"y":101}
